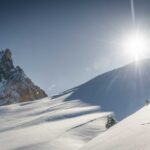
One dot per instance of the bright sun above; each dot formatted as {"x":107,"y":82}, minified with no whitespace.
{"x":135,"y":45}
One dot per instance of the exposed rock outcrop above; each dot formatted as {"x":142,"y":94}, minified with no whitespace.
{"x":15,"y":86}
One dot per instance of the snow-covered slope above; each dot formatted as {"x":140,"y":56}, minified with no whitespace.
{"x":49,"y":125}
{"x":133,"y":133}
{"x":123,"y":90}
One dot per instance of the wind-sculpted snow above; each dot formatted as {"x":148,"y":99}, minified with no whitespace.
{"x":50,"y":125}
{"x":133,"y":133}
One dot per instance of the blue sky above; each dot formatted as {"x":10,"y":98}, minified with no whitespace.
{"x":63,"y":43}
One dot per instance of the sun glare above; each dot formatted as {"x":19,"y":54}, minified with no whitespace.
{"x":135,"y":45}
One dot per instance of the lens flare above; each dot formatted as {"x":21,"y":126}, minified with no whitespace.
{"x":135,"y":45}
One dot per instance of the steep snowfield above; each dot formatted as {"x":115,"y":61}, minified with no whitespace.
{"x":49,"y":125}
{"x":122,"y":91}
{"x":133,"y":133}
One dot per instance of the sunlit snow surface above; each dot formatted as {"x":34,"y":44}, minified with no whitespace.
{"x":133,"y":133}
{"x":49,"y":125}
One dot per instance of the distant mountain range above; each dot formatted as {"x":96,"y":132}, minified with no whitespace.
{"x":123,"y":90}
{"x":15,"y":86}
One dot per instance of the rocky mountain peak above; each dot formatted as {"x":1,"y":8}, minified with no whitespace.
{"x":15,"y":86}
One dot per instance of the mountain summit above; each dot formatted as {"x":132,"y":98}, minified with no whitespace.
{"x":15,"y":86}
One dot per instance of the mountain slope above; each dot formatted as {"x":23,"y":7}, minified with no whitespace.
{"x":15,"y":86}
{"x":131,"y":133}
{"x":50,"y":125}
{"x":122,"y":90}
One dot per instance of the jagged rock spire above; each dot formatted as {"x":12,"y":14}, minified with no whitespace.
{"x":15,"y":85}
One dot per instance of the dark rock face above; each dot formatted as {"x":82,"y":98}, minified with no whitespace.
{"x":110,"y":122}
{"x":15,"y":86}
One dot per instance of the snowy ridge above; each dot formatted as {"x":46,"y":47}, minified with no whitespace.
{"x":122,"y":91}
{"x":133,"y":133}
{"x":50,"y":125}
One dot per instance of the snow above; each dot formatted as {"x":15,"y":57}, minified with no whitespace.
{"x":133,"y":133}
{"x":122,"y":90}
{"x":50,"y":124}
